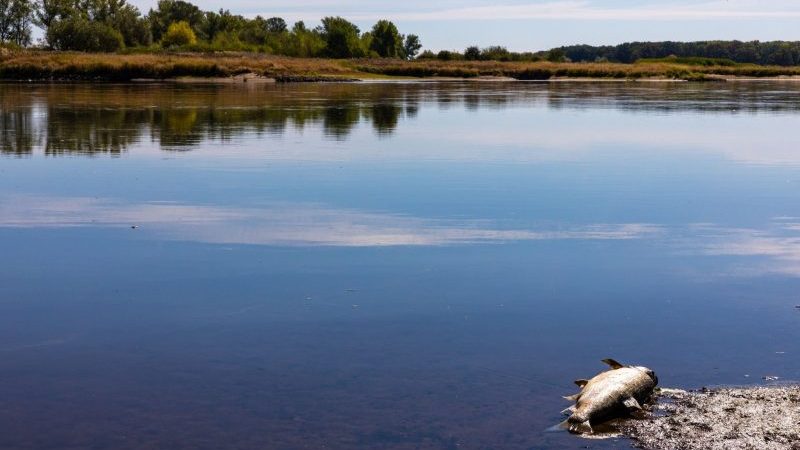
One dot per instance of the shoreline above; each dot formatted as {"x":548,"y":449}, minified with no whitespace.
{"x":50,"y":66}
{"x":255,"y":79}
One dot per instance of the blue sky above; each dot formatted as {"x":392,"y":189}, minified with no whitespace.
{"x":542,"y":24}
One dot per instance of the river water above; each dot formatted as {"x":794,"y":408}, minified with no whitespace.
{"x":384,"y":265}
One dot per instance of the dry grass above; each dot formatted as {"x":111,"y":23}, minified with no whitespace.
{"x":547,"y":70}
{"x":87,"y":66}
{"x":43,"y":65}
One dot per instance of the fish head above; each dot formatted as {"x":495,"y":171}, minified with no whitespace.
{"x":649,"y":373}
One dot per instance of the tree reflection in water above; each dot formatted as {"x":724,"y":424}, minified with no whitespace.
{"x":109,"y":119}
{"x":84,"y":119}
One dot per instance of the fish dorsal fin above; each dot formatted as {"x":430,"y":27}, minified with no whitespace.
{"x":613,"y":363}
{"x":581,"y":383}
{"x":572,"y":398}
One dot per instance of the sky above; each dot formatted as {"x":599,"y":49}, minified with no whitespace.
{"x":543,"y":24}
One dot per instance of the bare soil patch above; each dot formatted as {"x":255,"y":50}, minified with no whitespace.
{"x":721,"y":419}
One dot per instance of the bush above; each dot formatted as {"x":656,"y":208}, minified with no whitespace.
{"x":83,"y":35}
{"x":178,"y":34}
{"x":447,"y":55}
{"x":227,"y":41}
{"x":556,"y":55}
{"x":472,"y":53}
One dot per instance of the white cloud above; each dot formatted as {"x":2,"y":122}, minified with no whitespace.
{"x":583,"y":10}
{"x":552,"y":10}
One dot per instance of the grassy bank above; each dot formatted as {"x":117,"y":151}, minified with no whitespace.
{"x":42,"y":65}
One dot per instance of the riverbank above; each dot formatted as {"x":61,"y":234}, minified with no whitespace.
{"x":71,"y":66}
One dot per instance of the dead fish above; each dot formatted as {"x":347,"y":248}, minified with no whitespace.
{"x":613,"y":393}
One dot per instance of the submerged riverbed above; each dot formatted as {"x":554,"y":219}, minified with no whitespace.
{"x":379,"y":265}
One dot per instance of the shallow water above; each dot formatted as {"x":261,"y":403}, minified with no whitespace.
{"x":383,"y":265}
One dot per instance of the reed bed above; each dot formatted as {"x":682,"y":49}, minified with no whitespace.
{"x":45,"y":65}
{"x":41,"y":65}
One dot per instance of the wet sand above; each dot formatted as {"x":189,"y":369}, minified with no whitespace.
{"x":723,"y":418}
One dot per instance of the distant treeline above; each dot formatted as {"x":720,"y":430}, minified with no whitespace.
{"x":491,"y":53}
{"x":780,"y":53}
{"x":113,"y":25}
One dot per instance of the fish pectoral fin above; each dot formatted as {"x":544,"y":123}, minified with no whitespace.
{"x":573,"y":398}
{"x":581,"y":428}
{"x":632,"y":404}
{"x":558,"y":427}
{"x":568,"y":411}
{"x":581,"y":382}
{"x":613,"y":363}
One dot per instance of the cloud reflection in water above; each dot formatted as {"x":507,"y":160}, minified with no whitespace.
{"x":749,"y":251}
{"x":288,"y":223}
{"x":777,"y":247}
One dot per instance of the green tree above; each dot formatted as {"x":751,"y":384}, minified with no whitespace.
{"x":254,"y":32}
{"x":304,"y":42}
{"x":121,"y":16}
{"x":48,"y":11}
{"x":341,"y":38}
{"x":278,"y":37}
{"x":386,"y":40}
{"x":78,"y":33}
{"x":220,"y":22}
{"x":178,"y":34}
{"x":411,"y":46}
{"x":171,"y":11}
{"x":16,"y":17}
{"x":276,"y":25}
